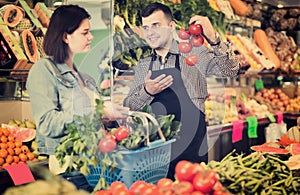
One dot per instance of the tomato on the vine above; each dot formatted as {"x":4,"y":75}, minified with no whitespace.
{"x":107,"y":144}
{"x":185,"y":47}
{"x":205,"y":181}
{"x":183,"y":34}
{"x":121,"y":133}
{"x":197,"y":41}
{"x":191,"y":60}
{"x":195,"y":29}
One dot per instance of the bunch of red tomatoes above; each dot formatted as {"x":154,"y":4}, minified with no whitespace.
{"x":109,"y":141}
{"x":191,"y":38}
{"x":191,"y":179}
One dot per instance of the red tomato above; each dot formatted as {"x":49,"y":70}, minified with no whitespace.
{"x":166,"y":192}
{"x":197,"y":193}
{"x":205,"y":181}
{"x":136,"y":187}
{"x":121,"y":192}
{"x":107,"y":144}
{"x":165,"y":184}
{"x":185,"y":47}
{"x":183,"y":188}
{"x":183,"y":34}
{"x":182,"y":169}
{"x":103,"y":192}
{"x":197,"y":41}
{"x":191,"y":60}
{"x":195,"y":29}
{"x":121,"y":133}
{"x":150,"y":189}
{"x":116,"y":187}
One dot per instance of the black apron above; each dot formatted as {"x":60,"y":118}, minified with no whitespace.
{"x":191,"y":144}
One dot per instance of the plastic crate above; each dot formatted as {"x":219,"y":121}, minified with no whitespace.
{"x":147,"y":163}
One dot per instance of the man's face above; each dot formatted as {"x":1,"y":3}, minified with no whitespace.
{"x":157,"y":30}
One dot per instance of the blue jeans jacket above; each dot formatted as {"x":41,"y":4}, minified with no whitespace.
{"x":55,"y":97}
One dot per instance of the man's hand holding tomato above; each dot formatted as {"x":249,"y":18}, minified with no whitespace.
{"x":158,"y":84}
{"x":208,"y":29}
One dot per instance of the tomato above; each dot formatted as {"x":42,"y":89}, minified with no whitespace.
{"x":191,"y":60}
{"x":149,"y":189}
{"x":195,"y":29}
{"x":183,"y":188}
{"x":183,"y":34}
{"x":182,"y":170}
{"x":205,"y":181}
{"x":120,"y":191}
{"x":166,"y":192}
{"x":197,"y":193}
{"x":197,"y":41}
{"x":117,"y":186}
{"x":121,"y":133}
{"x":185,"y":47}
{"x":165,"y":184}
{"x":137,"y":186}
{"x":107,"y":144}
{"x":102,"y":192}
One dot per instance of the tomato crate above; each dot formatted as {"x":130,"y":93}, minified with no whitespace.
{"x":147,"y":163}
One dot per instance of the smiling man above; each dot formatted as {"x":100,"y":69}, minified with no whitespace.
{"x":166,"y":83}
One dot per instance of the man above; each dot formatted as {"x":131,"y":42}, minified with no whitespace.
{"x":170,"y":86}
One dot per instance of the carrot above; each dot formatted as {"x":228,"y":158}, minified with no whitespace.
{"x":263,"y":43}
{"x":239,"y":7}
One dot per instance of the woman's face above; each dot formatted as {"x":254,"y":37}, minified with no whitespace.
{"x":80,"y":39}
{"x":157,"y":30}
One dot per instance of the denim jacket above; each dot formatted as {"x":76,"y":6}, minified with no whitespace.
{"x":56,"y":96}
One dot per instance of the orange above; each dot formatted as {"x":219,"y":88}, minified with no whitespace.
{"x":23,"y":157}
{"x":6,"y":132}
{"x":3,"y":139}
{"x":16,"y":159}
{"x":1,"y":161}
{"x":30,"y":155}
{"x":3,"y":153}
{"x":24,"y":149}
{"x":3,"y":146}
{"x":11,"y":138}
{"x":17,"y":151}
{"x":18,"y":143}
{"x":9,"y":159}
{"x":10,"y":151}
{"x":5,"y":165}
{"x":11,"y":144}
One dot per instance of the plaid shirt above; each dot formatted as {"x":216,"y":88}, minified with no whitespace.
{"x":219,"y":61}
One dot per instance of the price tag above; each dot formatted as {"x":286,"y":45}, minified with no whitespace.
{"x":20,"y":173}
{"x":252,"y":126}
{"x":271,"y":117}
{"x":237,"y":130}
{"x":279,"y":117}
{"x":259,"y":84}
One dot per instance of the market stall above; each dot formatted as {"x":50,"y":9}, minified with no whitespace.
{"x":253,"y":135}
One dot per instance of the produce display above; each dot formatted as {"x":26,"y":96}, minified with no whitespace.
{"x":13,"y":150}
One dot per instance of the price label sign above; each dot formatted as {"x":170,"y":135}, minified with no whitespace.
{"x":271,"y":117}
{"x":237,"y":130}
{"x":259,"y":84}
{"x":20,"y":173}
{"x":252,"y":126}
{"x":279,"y":117}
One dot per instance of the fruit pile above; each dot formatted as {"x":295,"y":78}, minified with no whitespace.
{"x":191,"y":178}
{"x":13,"y":151}
{"x":190,"y":38}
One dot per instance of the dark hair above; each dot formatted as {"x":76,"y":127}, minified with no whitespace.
{"x":153,"y":7}
{"x":65,"y":19}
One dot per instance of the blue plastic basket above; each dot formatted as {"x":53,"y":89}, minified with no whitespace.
{"x":147,"y":163}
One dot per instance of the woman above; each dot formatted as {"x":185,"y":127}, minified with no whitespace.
{"x":57,"y":89}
